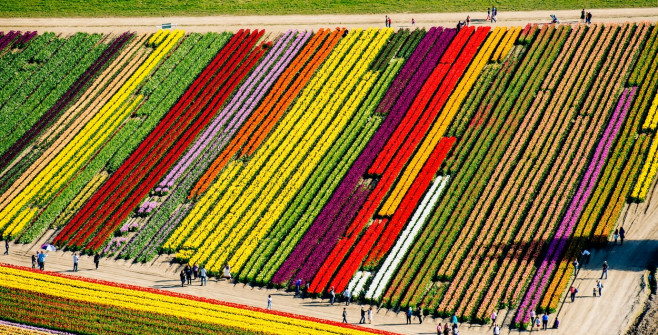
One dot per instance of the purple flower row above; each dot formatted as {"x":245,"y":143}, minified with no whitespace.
{"x":114,"y":245}
{"x":20,"y":325}
{"x":65,"y":100}
{"x":257,"y":84}
{"x":558,"y":243}
{"x":163,"y":233}
{"x":348,"y":198}
{"x":147,"y":207}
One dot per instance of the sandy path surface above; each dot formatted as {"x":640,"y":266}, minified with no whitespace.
{"x":285,"y":22}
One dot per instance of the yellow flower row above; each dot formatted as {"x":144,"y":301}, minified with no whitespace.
{"x":151,"y":302}
{"x":278,"y":177}
{"x":16,"y":215}
{"x":507,"y":44}
{"x":648,"y":172}
{"x":443,"y":120}
{"x":157,"y":38}
{"x":652,"y":118}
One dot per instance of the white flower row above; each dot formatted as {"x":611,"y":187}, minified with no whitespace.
{"x":409,"y":234}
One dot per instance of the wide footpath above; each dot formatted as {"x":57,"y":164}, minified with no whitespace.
{"x":282,"y":23}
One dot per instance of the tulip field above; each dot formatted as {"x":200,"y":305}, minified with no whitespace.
{"x":456,"y":170}
{"x":37,"y":298}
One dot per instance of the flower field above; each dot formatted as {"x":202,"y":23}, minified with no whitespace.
{"x":103,"y":307}
{"x":455,"y":170}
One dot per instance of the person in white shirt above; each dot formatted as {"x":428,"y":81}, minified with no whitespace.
{"x":75,"y":262}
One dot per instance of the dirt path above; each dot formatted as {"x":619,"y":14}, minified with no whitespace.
{"x":285,"y":22}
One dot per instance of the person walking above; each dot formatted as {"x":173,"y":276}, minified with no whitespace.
{"x":298,"y":285}
{"x":97,"y":259}
{"x":42,"y":261}
{"x":439,"y":329}
{"x":413,"y":22}
{"x":419,"y":314}
{"x":586,"y":255}
{"x":533,"y":316}
{"x":370,"y":315}
{"x":188,"y":274}
{"x":344,"y":315}
{"x":494,"y":13}
{"x":348,"y":296}
{"x":389,"y":22}
{"x":6,"y":247}
{"x":556,"y":323}
{"x":34,"y":261}
{"x":599,"y":285}
{"x":605,"y":270}
{"x":594,"y":291}
{"x":332,"y":294}
{"x":616,"y":235}
{"x":269,"y":301}
{"x":573,"y":292}
{"x":363,"y":316}
{"x":622,"y":232}
{"x":75,"y":262}
{"x":493,"y":317}
{"x":496,"y":329}
{"x":204,"y":275}
{"x":227,"y":272}
{"x":488,"y":14}
{"x":454,"y":320}
{"x":182,"y":278}
{"x":446,"y":329}
{"x":544,"y":321}
{"x":468,"y":21}
{"x":575,"y":267}
{"x":582,"y":15}
{"x":386,"y":21}
{"x":409,"y":314}
{"x":195,"y":271}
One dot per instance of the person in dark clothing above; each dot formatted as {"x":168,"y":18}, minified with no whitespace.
{"x":195,"y":271}
{"x":182,"y":278}
{"x":97,"y":259}
{"x":344,"y":315}
{"x":298,"y":285}
{"x":605,"y":270}
{"x":582,"y":15}
{"x":363,"y":315}
{"x":419,"y":314}
{"x":34,"y":262}
{"x":188,"y":274}
{"x":409,"y":314}
{"x":622,"y":235}
{"x":6,"y":247}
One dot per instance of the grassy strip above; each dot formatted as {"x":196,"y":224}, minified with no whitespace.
{"x":53,"y":8}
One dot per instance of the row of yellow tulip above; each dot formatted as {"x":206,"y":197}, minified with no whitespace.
{"x":443,"y":120}
{"x":20,"y":211}
{"x":648,"y":172}
{"x":652,"y":117}
{"x":6,"y":329}
{"x":506,"y":44}
{"x":169,"y":303}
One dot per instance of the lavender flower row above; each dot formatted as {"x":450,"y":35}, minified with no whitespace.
{"x":558,"y":243}
{"x":334,"y":218}
{"x":152,"y":247}
{"x":20,"y":325}
{"x":8,"y":39}
{"x":202,"y":142}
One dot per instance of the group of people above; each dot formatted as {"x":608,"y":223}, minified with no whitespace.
{"x":541,"y":322}
{"x":364,"y":313}
{"x":585,"y":17}
{"x":448,"y":329}
{"x":193,"y":272}
{"x":491,"y":14}
{"x":418,"y":314}
{"x":387,"y":21}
